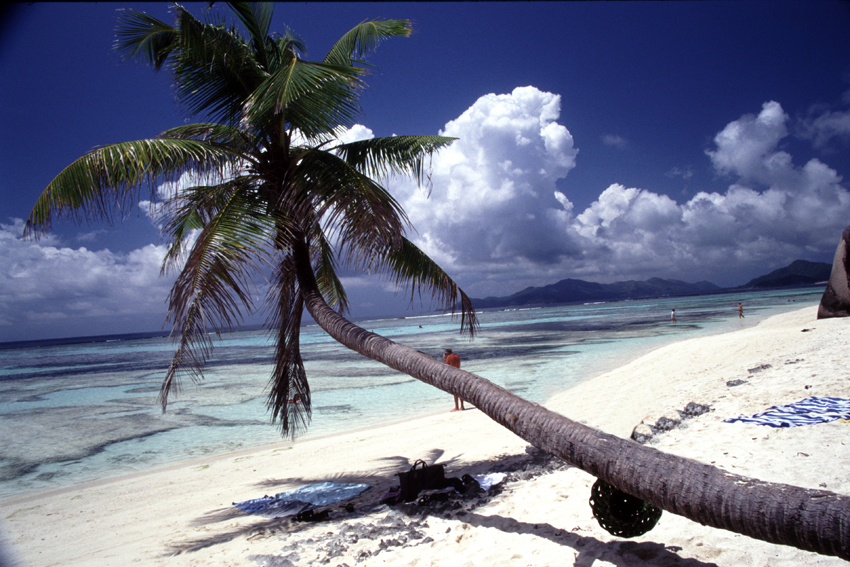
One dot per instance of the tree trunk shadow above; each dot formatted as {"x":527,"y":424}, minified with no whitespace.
{"x":589,"y":549}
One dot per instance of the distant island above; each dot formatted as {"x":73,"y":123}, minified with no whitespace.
{"x":798,"y":273}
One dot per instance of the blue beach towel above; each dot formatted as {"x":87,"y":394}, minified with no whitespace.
{"x":271,"y":507}
{"x":809,"y":411}
{"x":303,"y":498}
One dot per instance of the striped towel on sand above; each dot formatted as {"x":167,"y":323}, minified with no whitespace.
{"x":809,"y":411}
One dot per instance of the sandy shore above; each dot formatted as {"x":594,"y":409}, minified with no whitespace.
{"x":183,"y":515}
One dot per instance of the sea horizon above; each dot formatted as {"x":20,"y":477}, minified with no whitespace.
{"x":135,"y":335}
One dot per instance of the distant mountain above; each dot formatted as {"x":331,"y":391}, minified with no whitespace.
{"x":572,"y":291}
{"x":799,"y":272}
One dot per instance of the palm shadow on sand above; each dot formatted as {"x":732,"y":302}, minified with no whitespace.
{"x":400,"y":527}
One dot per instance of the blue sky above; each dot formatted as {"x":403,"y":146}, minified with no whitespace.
{"x":602,"y":141}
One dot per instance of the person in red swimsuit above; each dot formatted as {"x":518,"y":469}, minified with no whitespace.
{"x":452,"y":359}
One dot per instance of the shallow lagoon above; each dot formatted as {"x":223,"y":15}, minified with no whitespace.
{"x":78,"y":412}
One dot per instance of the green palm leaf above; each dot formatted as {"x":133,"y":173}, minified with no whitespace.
{"x":289,"y":399}
{"x":214,"y":69}
{"x":106,"y":180}
{"x":382,"y":157}
{"x":144,"y":38}
{"x":197,"y":207}
{"x":257,"y":18}
{"x":362,"y":40}
{"x":215,"y":283}
{"x":325,"y":268}
{"x":356,"y":208}
{"x":215,"y":134}
{"x":312,"y":97}
{"x":410,"y":266}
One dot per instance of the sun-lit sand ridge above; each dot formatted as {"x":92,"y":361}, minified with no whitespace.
{"x":182,"y":515}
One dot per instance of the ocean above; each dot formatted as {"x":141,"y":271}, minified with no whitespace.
{"x":81,"y":411}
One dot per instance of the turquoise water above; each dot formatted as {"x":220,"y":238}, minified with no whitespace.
{"x":79,"y":412}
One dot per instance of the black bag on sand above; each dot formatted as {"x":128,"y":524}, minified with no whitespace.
{"x":421,"y":477}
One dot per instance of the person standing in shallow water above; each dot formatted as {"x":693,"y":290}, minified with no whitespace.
{"x":740,"y":310}
{"x":452,"y":359}
{"x":673,"y":316}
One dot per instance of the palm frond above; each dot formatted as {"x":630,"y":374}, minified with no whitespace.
{"x":357,"y":208}
{"x":214,"y":69}
{"x":257,"y":18}
{"x":144,"y":38}
{"x":181,"y":224}
{"x":410,"y":266}
{"x":106,"y":180}
{"x":193,"y":350}
{"x":312,"y":97}
{"x":211,"y":132}
{"x":325,"y":268}
{"x":381,"y":157}
{"x":215,"y":283}
{"x":287,"y":45}
{"x":195,"y":207}
{"x":289,"y":391}
{"x":362,"y":40}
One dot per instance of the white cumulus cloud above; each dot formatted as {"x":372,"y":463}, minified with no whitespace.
{"x":494,"y":188}
{"x":496,"y":221}
{"x":774,"y":212}
{"x":44,"y":283}
{"x":746,"y":146}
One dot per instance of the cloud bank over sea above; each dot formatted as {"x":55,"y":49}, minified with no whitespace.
{"x":497,"y":221}
{"x":497,"y":214}
{"x":49,"y":284}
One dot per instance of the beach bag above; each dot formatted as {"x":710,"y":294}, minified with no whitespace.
{"x":421,"y":477}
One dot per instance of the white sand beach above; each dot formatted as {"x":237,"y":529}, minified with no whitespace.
{"x":183,"y":515}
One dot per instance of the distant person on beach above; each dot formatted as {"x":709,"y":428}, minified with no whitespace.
{"x":452,"y":359}
{"x":740,"y":310}
{"x":673,"y":316}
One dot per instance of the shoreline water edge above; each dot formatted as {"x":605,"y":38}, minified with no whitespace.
{"x":182,"y":514}
{"x":83,"y":412}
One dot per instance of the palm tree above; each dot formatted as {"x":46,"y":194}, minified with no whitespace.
{"x":274,"y":178}
{"x":279,"y":196}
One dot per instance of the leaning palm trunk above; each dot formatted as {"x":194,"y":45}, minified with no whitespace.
{"x":813,"y":520}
